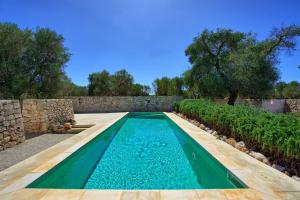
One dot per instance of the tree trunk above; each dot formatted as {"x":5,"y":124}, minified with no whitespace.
{"x":232,"y":97}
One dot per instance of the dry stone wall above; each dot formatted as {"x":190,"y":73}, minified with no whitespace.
{"x":94,"y":104}
{"x":293,"y":105}
{"x":11,"y":124}
{"x":46,"y":115}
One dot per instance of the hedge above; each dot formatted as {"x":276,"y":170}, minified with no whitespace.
{"x":277,"y":133}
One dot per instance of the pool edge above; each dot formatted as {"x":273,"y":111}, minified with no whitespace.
{"x":27,"y":171}
{"x":255,"y":174}
{"x":265,"y":174}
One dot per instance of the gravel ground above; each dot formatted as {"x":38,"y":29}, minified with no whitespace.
{"x":31,"y":146}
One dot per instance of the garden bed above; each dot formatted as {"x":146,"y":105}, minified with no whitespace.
{"x":277,"y":136}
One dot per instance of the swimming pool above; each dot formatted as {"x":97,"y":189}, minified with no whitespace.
{"x":140,"y":151}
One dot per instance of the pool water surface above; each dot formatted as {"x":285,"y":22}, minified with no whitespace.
{"x":145,"y":154}
{"x":140,"y":151}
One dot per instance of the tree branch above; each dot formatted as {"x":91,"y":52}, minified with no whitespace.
{"x":220,"y":48}
{"x":277,"y":43}
{"x":207,"y":48}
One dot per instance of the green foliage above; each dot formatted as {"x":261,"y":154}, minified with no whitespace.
{"x":14,"y":72}
{"x":119,"y":84}
{"x":161,"y":86}
{"x":47,"y":58}
{"x":100,"y":84}
{"x":140,"y":90}
{"x":168,"y":86}
{"x":31,"y":62}
{"x":68,"y":88}
{"x":210,"y":55}
{"x":287,"y":90}
{"x":122,"y":83}
{"x":279,"y":133}
{"x":78,"y":90}
{"x":208,"y":86}
{"x":237,"y":62}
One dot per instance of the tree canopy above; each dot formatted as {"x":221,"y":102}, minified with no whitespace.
{"x":100,"y":84}
{"x":168,"y":86}
{"x":237,"y":62}
{"x":14,"y":72}
{"x":121,"y":83}
{"x":31,"y":62}
{"x":224,"y":63}
{"x":68,"y":88}
{"x":140,"y":90}
{"x":287,"y":90}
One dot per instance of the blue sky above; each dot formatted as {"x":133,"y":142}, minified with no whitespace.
{"x":148,"y":37}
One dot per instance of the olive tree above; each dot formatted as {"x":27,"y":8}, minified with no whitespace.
{"x":237,"y":61}
{"x":168,"y":86}
{"x":100,"y":84}
{"x":47,"y":58}
{"x":14,"y":72}
{"x":140,"y":90}
{"x":31,"y":62}
{"x":122,"y":83}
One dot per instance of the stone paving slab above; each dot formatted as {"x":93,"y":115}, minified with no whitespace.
{"x":263,"y":181}
{"x":95,"y":118}
{"x":28,"y":148}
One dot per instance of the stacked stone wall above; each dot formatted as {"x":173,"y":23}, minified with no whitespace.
{"x":46,"y":115}
{"x":293,"y":105}
{"x":11,"y":124}
{"x":94,"y":104}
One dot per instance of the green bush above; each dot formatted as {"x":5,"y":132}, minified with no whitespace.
{"x":277,"y":133}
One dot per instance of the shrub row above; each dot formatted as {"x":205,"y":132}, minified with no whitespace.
{"x":277,"y":133}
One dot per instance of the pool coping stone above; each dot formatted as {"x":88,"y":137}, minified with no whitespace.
{"x":263,"y":181}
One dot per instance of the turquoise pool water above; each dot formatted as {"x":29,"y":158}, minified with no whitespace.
{"x":144,"y":154}
{"x":140,"y":151}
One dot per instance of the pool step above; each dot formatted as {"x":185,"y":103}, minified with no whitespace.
{"x":83,"y":126}
{"x":75,"y":130}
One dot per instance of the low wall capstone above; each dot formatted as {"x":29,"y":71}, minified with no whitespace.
{"x":94,"y":104}
{"x":11,"y":124}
